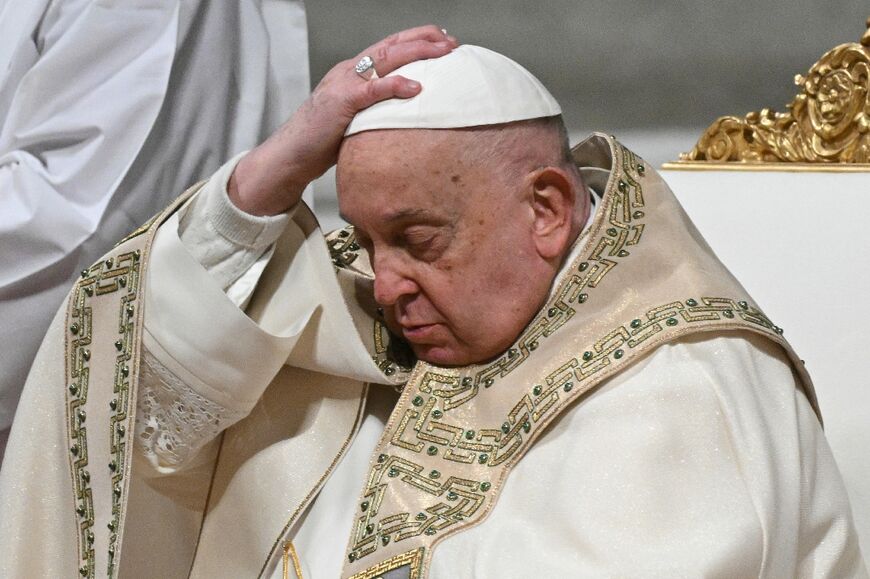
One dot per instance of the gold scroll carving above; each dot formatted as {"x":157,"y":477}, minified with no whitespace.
{"x":827,"y":122}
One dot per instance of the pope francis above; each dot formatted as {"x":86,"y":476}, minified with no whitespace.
{"x":521,"y":360}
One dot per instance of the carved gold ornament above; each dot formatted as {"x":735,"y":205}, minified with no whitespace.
{"x":827,"y":122}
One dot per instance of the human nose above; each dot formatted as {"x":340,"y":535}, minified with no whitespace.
{"x":393,"y":279}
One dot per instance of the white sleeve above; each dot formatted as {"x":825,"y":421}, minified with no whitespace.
{"x":233,"y":246}
{"x":702,"y":460}
{"x":176,"y":415}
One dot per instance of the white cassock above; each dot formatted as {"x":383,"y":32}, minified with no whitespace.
{"x":108,"y":109}
{"x":703,"y":460}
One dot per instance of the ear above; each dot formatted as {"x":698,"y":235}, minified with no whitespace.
{"x":553,"y":197}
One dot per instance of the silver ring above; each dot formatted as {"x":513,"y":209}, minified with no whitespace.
{"x":366,"y":68}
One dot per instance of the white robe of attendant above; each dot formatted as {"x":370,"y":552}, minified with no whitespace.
{"x":702,"y":460}
{"x":107,"y":110}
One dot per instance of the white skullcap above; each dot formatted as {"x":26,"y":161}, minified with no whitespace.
{"x":468,"y":87}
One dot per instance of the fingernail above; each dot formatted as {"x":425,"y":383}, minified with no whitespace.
{"x":414,"y":85}
{"x":444,"y":31}
{"x":443,"y":44}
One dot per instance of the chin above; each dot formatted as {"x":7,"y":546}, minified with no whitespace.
{"x":440,"y":355}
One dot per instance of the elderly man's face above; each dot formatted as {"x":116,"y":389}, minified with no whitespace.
{"x":451,"y":243}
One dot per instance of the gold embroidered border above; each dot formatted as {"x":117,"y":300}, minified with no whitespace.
{"x":104,"y":277}
{"x":411,"y":559}
{"x":422,"y":427}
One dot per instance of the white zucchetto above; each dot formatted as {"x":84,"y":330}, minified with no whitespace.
{"x":469,"y":87}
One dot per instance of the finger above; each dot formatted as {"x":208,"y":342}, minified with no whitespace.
{"x":380,"y":89}
{"x":388,"y":58}
{"x":429,"y":32}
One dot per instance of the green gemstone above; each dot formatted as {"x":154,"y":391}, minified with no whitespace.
{"x":451,"y":496}
{"x":552,"y":312}
{"x":778,"y":330}
{"x":641,"y":169}
{"x":73,"y":389}
{"x":369,"y":529}
{"x":612,"y":232}
{"x":83,"y":571}
{"x":568,"y":386}
{"x":533,"y":346}
{"x":537,"y":390}
{"x":74,"y":449}
{"x":85,"y":273}
{"x":125,"y":371}
{"x":130,"y":308}
{"x":74,"y":328}
{"x":469,"y":434}
{"x":672,"y":322}
{"x":113,"y":404}
{"x":505,"y":427}
{"x":421,"y":516}
{"x":80,"y":511}
{"x":691,"y":303}
{"x":343,"y":233}
{"x":622,"y":253}
{"x":434,"y":474}
{"x":385,"y":540}
{"x":364,"y":506}
{"x":467,"y":381}
{"x":618,"y":354}
{"x":483,"y":458}
{"x":110,"y":262}
{"x":417,"y":401}
{"x":432,"y":450}
{"x":353,"y":246}
{"x":86,"y":354}
{"x":587,"y":356}
{"x":485,"y":486}
{"x":743,"y":305}
{"x":623,"y":186}
{"x":728,"y":313}
{"x":527,"y":426}
{"x":392,"y":472}
{"x":89,"y":291}
{"x":119,"y":345}
{"x":86,"y":476}
{"x":121,"y":430}
{"x":82,"y":415}
{"x":117,"y":491}
{"x":636,"y":323}
{"x":437,"y":414}
{"x":122,"y":282}
{"x":512,"y":353}
{"x":111,"y":526}
{"x":351,"y":557}
{"x":136,"y":254}
{"x":113,"y":466}
{"x":430,"y":531}
{"x":389,"y":370}
{"x":582,"y":298}
{"x":638,"y":214}
{"x":488,"y":382}
{"x":583,"y":266}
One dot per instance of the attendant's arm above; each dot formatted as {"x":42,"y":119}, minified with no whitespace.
{"x":70,"y":127}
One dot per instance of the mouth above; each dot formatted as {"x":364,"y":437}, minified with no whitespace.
{"x":419,"y":332}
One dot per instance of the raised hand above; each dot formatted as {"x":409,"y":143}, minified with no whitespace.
{"x":271,"y":177}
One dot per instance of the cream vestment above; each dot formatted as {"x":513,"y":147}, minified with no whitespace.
{"x":650,"y":421}
{"x":101,"y":125}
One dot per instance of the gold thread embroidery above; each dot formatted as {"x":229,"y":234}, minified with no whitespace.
{"x":105,"y":277}
{"x":423,"y":422}
{"x":411,"y":559}
{"x":291,"y":555}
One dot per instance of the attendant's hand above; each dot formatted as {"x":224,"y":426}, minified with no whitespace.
{"x":271,"y":177}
